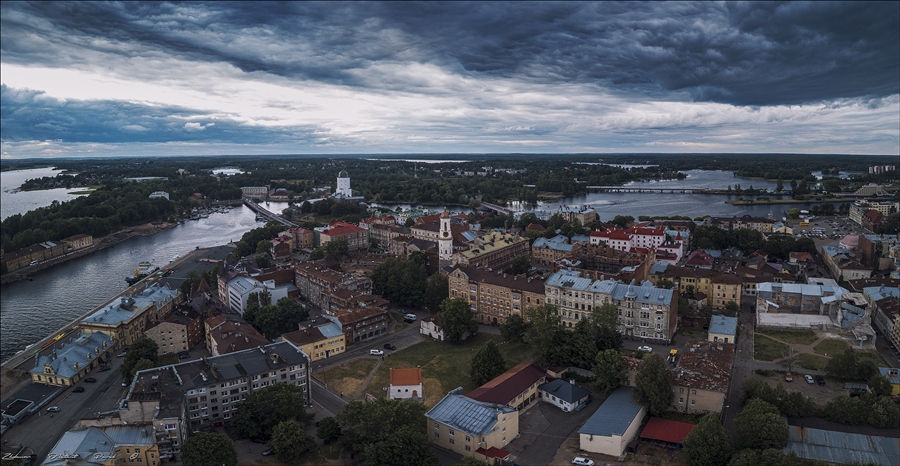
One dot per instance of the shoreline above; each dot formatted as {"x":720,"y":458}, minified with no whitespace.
{"x":785,"y":201}
{"x":147,"y":229}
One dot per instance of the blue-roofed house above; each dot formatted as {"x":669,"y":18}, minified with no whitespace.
{"x":723,"y":328}
{"x":108,"y":445}
{"x":463,"y":425}
{"x":545,"y":251}
{"x":71,"y":360}
{"x":612,"y":427}
{"x":566,"y":395}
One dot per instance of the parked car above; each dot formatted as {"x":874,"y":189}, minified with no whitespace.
{"x":183,"y":355}
{"x":820,"y":380}
{"x":104,"y":369}
{"x":376,"y":352}
{"x":259,"y":440}
{"x":788,"y":377}
{"x":122,"y":354}
{"x":53,"y":409}
{"x":78,"y":390}
{"x":809,"y":379}
{"x":409,"y":318}
{"x":268,"y":452}
{"x":90,"y":380}
{"x":389,"y":346}
{"x":583,"y":461}
{"x":645,"y":349}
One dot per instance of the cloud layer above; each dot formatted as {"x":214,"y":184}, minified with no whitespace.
{"x":334,"y":77}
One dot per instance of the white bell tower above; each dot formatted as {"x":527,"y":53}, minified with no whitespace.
{"x":445,"y":239}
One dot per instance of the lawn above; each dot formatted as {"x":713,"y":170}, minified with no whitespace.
{"x":799,"y":337}
{"x":874,"y":357}
{"x":811,"y":361}
{"x":767,"y":349}
{"x":347,"y":377}
{"x":831,"y":346}
{"x":444,"y":366}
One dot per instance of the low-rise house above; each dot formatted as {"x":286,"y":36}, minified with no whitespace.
{"x":109,"y":446}
{"x":431,"y":326}
{"x":316,"y":344}
{"x":406,"y":384}
{"x":565,"y":395}
{"x":614,"y":425}
{"x":470,"y":427}
{"x":71,"y":360}
{"x":723,"y":328}
{"x":516,"y":388}
{"x":701,"y":377}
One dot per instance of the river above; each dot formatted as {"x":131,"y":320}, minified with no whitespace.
{"x":31,"y":310}
{"x":14,"y":202}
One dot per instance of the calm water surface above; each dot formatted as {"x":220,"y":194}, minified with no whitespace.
{"x":14,"y":202}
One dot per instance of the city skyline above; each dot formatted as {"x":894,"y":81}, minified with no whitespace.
{"x":142,"y":79}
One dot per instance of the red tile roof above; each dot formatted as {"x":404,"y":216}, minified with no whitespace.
{"x":406,"y":376}
{"x":342,"y":228}
{"x":666,"y":430}
{"x":507,"y":386}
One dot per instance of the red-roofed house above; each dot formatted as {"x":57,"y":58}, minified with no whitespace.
{"x":355,"y":236}
{"x":614,"y":238}
{"x":515,"y":388}
{"x":699,"y":259}
{"x":643,"y":237}
{"x":280,"y":248}
{"x":666,"y":431}
{"x":406,"y":384}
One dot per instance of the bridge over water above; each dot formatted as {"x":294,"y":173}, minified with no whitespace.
{"x":260,"y":212}
{"x":645,"y":190}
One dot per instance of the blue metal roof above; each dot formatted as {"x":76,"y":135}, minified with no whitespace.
{"x":842,"y":448}
{"x":81,"y":349}
{"x":466,"y":414}
{"x":877,"y":293}
{"x":614,"y":415}
{"x":723,"y":325}
{"x":541,"y":242}
{"x":890,"y":373}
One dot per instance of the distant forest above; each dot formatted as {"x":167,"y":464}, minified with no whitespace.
{"x":118,"y":203}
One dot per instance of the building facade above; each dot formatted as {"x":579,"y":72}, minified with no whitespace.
{"x":494,"y":296}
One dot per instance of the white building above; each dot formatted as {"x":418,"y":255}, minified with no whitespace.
{"x":613,"y":425}
{"x":343,"y":185}
{"x":240,"y":288}
{"x":159,"y":195}
{"x":406,"y":384}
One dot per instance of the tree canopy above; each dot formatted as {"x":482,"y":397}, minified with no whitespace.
{"x":514,"y":329}
{"x":265,"y":408}
{"x":487,"y":364}
{"x":208,"y":449}
{"x":387,"y":432}
{"x":400,"y":281}
{"x":653,"y":385}
{"x":708,"y":444}
{"x":290,"y":442}
{"x":609,"y":370}
{"x":142,"y":349}
{"x":456,"y":320}
{"x":760,"y":426}
{"x":276,"y":319}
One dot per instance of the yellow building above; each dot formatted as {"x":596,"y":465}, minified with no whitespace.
{"x":127,"y":319}
{"x":315,"y":344}
{"x":471,"y":428}
{"x":495,"y":251}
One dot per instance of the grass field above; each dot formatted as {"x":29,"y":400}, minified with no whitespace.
{"x":347,"y":377}
{"x":800,"y":337}
{"x":811,"y":361}
{"x":874,"y":357}
{"x":831,"y":346}
{"x":444,"y":366}
{"x":767,"y":349}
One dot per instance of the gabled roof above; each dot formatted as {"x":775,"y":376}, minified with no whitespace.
{"x":508,"y":385}
{"x":568,"y":392}
{"x":666,"y":430}
{"x":614,"y":415}
{"x":411,"y":376}
{"x":466,"y":414}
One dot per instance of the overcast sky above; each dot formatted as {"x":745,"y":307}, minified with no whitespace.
{"x":131,"y":78}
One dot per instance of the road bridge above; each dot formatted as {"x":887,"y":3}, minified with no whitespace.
{"x":260,"y":212}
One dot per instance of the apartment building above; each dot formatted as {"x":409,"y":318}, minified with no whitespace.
{"x":494,"y":250}
{"x":472,"y":428}
{"x":204,"y":394}
{"x":645,"y":311}
{"x":317,"y":281}
{"x":494,"y":296}
{"x":127,"y":319}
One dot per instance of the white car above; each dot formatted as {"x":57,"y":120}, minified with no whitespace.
{"x":645,"y":349}
{"x":583,"y":461}
{"x":53,"y":409}
{"x":376,"y":352}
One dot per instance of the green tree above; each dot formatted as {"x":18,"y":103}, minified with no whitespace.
{"x":487,"y":364}
{"x":142,"y":348}
{"x":708,"y":444}
{"x":760,"y":426}
{"x":514,"y":329}
{"x":142,"y":365}
{"x":328,"y":430}
{"x":387,"y":432}
{"x":541,"y":336}
{"x":622,"y":221}
{"x":665,"y":283}
{"x":208,"y":449}
{"x":456,"y":320}
{"x":400,"y":281}
{"x":879,"y":385}
{"x":603,"y":328}
{"x":653,"y":385}
{"x":290,"y":442}
{"x":520,"y":265}
{"x":470,"y":461}
{"x":265,"y":408}
{"x":437,"y":289}
{"x":848,"y":366}
{"x":609,"y":371}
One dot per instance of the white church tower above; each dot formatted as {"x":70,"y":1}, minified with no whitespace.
{"x":343,"y":185}
{"x":445,"y":238}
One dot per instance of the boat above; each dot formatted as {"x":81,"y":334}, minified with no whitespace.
{"x":144,"y":264}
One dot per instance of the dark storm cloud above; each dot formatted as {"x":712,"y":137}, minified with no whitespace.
{"x":32,"y":115}
{"x":739,"y":53}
